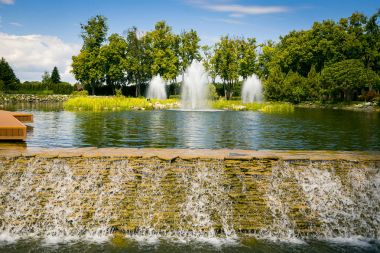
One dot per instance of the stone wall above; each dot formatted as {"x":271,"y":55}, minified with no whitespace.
{"x":277,"y":193}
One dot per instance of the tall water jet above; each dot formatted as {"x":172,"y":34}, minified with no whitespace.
{"x":157,"y":88}
{"x":252,"y":90}
{"x":194,"y":88}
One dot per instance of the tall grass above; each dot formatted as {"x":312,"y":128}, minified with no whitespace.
{"x":267,"y":107}
{"x":85,"y":103}
{"x":120,"y":103}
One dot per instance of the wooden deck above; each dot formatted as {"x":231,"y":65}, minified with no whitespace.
{"x":12,"y":127}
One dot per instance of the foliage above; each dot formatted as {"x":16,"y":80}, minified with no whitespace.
{"x":39,"y":87}
{"x":82,"y":93}
{"x":267,"y":107}
{"x":161,"y":49}
{"x":115,"y":103}
{"x":342,"y":79}
{"x":233,"y":58}
{"x":7,"y":76}
{"x":332,"y":61}
{"x":188,"y":49}
{"x":137,"y":62}
{"x":94,"y":33}
{"x":212,"y":94}
{"x":55,"y":77}
{"x":118,"y":93}
{"x":88,"y":66}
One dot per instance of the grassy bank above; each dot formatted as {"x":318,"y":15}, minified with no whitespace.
{"x":84,"y":103}
{"x":117,"y":104}
{"x":268,"y":107}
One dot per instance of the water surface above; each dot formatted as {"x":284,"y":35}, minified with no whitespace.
{"x":306,"y":129}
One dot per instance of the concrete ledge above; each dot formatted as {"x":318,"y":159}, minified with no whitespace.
{"x":189,"y":154}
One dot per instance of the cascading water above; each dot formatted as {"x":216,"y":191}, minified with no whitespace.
{"x":252,"y":90}
{"x":157,"y":88}
{"x":84,"y":199}
{"x":194,"y":88}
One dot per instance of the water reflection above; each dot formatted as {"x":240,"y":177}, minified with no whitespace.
{"x":304,"y":129}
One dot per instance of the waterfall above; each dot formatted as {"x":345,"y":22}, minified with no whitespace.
{"x":91,"y":198}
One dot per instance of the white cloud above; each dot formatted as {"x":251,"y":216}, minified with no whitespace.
{"x":246,"y":9}
{"x":16,"y":24}
{"x":7,"y":1}
{"x":236,"y":10}
{"x":31,"y":55}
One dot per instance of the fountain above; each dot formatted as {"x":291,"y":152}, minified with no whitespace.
{"x":252,"y":90}
{"x":157,"y":88}
{"x":194,"y":88}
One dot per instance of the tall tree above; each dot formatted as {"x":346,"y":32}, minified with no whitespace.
{"x":113,"y":55}
{"x":161,"y":48}
{"x":55,"y":77}
{"x":247,"y":57}
{"x":88,"y":67}
{"x":226,"y":64}
{"x":137,"y":60}
{"x":188,"y":49}
{"x":7,"y":76}
{"x":94,"y":33}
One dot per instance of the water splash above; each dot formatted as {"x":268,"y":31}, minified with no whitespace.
{"x":90,"y":199}
{"x":157,"y":88}
{"x":252,"y":90}
{"x":194,"y":88}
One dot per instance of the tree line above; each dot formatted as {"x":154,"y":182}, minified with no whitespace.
{"x":50,"y":83}
{"x":331,"y":61}
{"x":135,"y":58}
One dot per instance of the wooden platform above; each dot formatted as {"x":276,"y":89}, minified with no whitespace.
{"x":12,"y":127}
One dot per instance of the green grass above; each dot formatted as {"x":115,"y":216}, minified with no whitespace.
{"x":86,"y":103}
{"x":115,"y":103}
{"x":267,"y":107}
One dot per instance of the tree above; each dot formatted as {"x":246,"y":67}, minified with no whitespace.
{"x":7,"y":76}
{"x":161,"y":49}
{"x":88,"y":67}
{"x":347,"y":78}
{"x":94,"y":33}
{"x":226,"y":65}
{"x":188,"y":49}
{"x":137,"y":60}
{"x":113,"y":55}
{"x":55,"y":77}
{"x":247,"y":57}
{"x":46,"y":80}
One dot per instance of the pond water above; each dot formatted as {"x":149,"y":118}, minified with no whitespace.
{"x":306,"y":129}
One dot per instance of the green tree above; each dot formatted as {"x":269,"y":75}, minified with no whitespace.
{"x":188,"y":49}
{"x":89,"y":67}
{"x":161,"y":49}
{"x":46,"y":80}
{"x":344,"y":79}
{"x":226,"y":65}
{"x":7,"y":76}
{"x":55,"y":77}
{"x":247,"y":57}
{"x":94,"y":32}
{"x":137,"y":60}
{"x":113,"y":57}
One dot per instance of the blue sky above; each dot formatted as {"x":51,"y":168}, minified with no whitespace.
{"x":49,"y":25}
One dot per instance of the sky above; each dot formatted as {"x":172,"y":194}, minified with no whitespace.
{"x":36,"y":35}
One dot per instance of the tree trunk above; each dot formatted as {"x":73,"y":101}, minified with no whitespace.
{"x":92,"y":90}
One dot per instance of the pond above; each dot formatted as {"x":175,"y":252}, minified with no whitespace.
{"x":305,"y":129}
